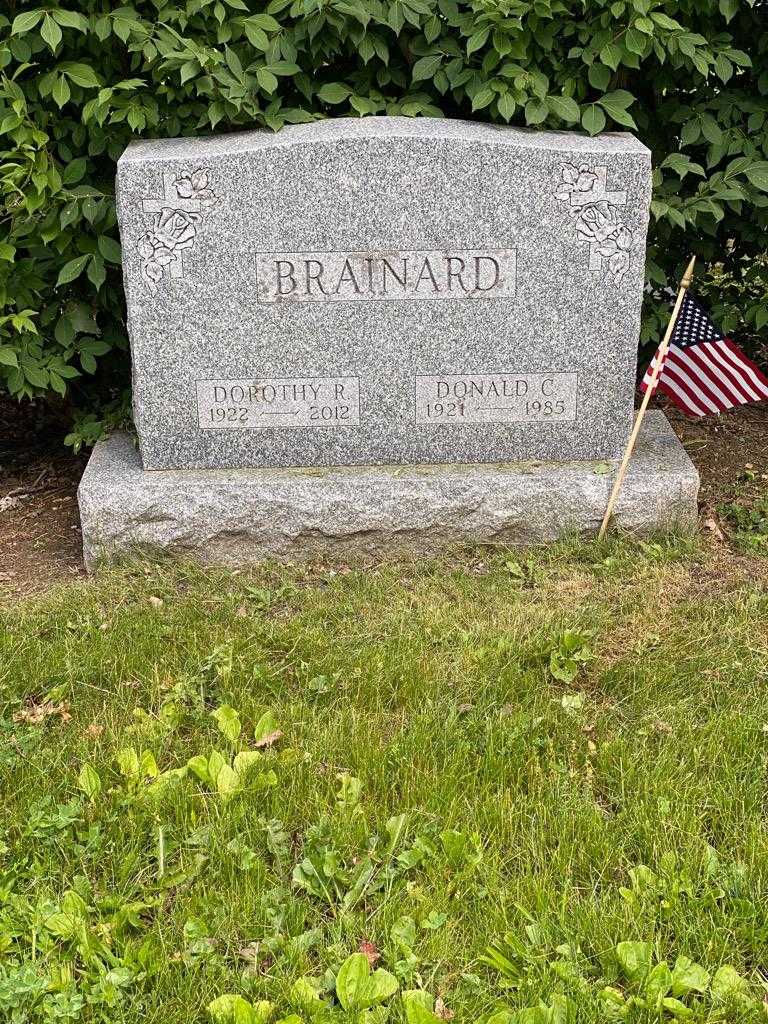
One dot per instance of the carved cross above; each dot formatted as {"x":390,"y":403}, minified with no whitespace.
{"x":597,"y":194}
{"x":173,"y":201}
{"x":600,"y":192}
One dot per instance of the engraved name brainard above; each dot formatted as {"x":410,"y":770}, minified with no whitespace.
{"x":407,"y":274}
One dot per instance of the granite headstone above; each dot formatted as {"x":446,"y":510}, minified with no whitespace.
{"x":383,"y":291}
{"x":381,"y":335}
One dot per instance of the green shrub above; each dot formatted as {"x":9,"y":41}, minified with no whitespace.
{"x":78,"y":81}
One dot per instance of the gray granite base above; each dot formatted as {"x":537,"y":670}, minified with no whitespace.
{"x":248,"y":515}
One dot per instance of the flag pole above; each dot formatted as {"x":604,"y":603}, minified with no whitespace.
{"x":659,"y":362}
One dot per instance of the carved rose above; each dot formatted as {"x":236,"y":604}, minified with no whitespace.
{"x":173,"y":230}
{"x":176,"y":229}
{"x":597,"y":222}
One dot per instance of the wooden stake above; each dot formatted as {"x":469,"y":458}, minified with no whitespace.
{"x":660,"y":356}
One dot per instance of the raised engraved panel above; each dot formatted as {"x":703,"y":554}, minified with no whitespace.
{"x":507,"y":397}
{"x":268,"y":402}
{"x":400,"y":275}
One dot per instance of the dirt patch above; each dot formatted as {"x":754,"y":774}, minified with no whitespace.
{"x":726,"y":449}
{"x":39,"y":526}
{"x":40,"y":542}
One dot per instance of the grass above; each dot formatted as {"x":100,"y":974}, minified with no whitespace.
{"x":468,"y":752}
{"x":745,"y":515}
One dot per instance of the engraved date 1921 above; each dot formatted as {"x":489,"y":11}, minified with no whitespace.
{"x":439,"y":410}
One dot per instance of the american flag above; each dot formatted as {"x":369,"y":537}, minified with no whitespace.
{"x":703,"y":372}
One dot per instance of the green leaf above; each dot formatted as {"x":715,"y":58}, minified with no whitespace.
{"x":536,"y":111}
{"x":380,"y":986}
{"x":688,"y":976}
{"x":426,"y":67}
{"x":74,"y":171}
{"x":284,"y":67}
{"x":682,"y":165}
{"x":563,"y":107}
{"x":8,"y":357}
{"x":757,"y":174}
{"x":711,"y":130}
{"x":592,"y":119}
{"x":7,"y":252}
{"x":728,"y":984}
{"x":677,"y":1008}
{"x":506,"y":105}
{"x":635,"y":41}
{"x":618,"y":98}
{"x":246,"y":760}
{"x":351,"y":982}
{"x":482,"y":98}
{"x":599,"y":76}
{"x":228,"y":721}
{"x":128,"y":762}
{"x":64,"y":926}
{"x":231,"y":1009}
{"x":50,"y":32}
{"x":81,"y":74}
{"x":265,"y":21}
{"x":256,"y":36}
{"x":227,"y":781}
{"x":723,"y":68}
{"x":615,"y":105}
{"x":199,"y":765}
{"x":89,"y":782}
{"x":690,"y":132}
{"x":70,"y":19}
{"x":266,"y":80}
{"x":334,"y":92}
{"x":37,"y":376}
{"x":657,"y":984}
{"x":97,"y":273}
{"x":728,"y":8}
{"x":478,"y":40}
{"x":664,"y":21}
{"x":72,"y":270}
{"x":24,"y":22}
{"x":739,"y":57}
{"x":418,"y":1007}
{"x":110,"y":249}
{"x":265,"y":727}
{"x":611,"y":55}
{"x":634,"y":958}
{"x":60,"y":91}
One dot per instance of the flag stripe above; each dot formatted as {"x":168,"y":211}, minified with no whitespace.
{"x":749,"y":367}
{"x":715,"y":372}
{"x":679,"y":397}
{"x":699,"y":373}
{"x":738,"y":384}
{"x":723,"y":356}
{"x":682,"y":379}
